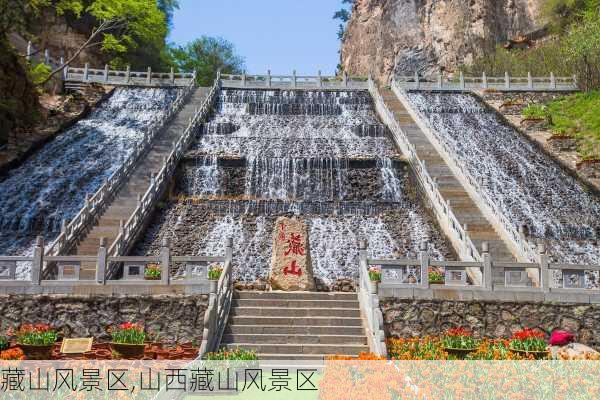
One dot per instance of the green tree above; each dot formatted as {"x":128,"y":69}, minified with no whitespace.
{"x":582,"y":49}
{"x":206,"y":56}
{"x":343,"y":15}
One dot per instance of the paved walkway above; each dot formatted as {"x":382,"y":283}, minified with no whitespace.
{"x":478,"y":227}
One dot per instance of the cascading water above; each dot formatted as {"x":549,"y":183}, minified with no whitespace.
{"x":52,"y":184}
{"x":527,"y":185}
{"x":322,"y":155}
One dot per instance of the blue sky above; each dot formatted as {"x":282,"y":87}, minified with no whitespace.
{"x":271,"y":34}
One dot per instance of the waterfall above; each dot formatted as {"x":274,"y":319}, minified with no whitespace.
{"x":527,"y":185}
{"x":52,"y":184}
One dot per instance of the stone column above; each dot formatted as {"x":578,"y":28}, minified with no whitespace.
{"x":86,"y":72}
{"x":38,"y":261}
{"x":149,"y":77}
{"x":424,"y":258}
{"x":101,"y":262}
{"x":506,"y":81}
{"x":544,"y":264}
{"x":106,"y":71}
{"x":487,"y":266}
{"x":484,"y":82}
{"x":552,"y":81}
{"x":165,"y":261}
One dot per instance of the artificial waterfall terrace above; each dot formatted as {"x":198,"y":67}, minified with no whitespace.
{"x":421,"y":174}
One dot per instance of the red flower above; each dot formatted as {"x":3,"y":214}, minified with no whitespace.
{"x":458,"y":332}
{"x":526,"y":333}
{"x":129,"y":325}
{"x":561,"y":338}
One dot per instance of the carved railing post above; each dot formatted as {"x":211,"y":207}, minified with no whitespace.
{"x":149,"y":77}
{"x":269,"y":78}
{"x":544,"y":261}
{"x":552,"y":81}
{"x":128,"y":74}
{"x":417,"y":81}
{"x":320,"y":79}
{"x":294,"y":79}
{"x":506,"y":81}
{"x":345,"y":79}
{"x":487,"y":266}
{"x":165,"y":261}
{"x":484,"y":82}
{"x":529,"y":80}
{"x":424,"y":258}
{"x":29,"y":51}
{"x":440,"y":79}
{"x":101,"y":262}
{"x":244,"y":79}
{"x":38,"y":261}
{"x":461,"y":79}
{"x":172,"y":75}
{"x":106,"y":70}
{"x":86,"y":68}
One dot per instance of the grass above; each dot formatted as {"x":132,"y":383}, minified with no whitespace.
{"x":578,"y":116}
{"x":534,"y":111}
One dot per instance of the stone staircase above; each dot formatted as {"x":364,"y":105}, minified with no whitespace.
{"x":125,"y":201}
{"x":295,"y":325}
{"x":479,"y":228}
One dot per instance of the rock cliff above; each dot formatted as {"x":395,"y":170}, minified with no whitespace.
{"x":388,"y":37}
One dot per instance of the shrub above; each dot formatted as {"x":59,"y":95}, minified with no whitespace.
{"x":3,"y":343}
{"x":534,"y":111}
{"x":426,"y":348}
{"x":36,"y":335}
{"x":14,"y":354}
{"x":128,"y":333}
{"x":232,"y":355}
{"x":361,"y":356}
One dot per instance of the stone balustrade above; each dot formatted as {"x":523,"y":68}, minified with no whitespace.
{"x":106,"y":76}
{"x":507,"y":83}
{"x":459,"y":236}
{"x":69,"y":279}
{"x":130,"y":230}
{"x":96,"y":204}
{"x":524,"y":249}
{"x":564,"y":283}
{"x":294,"y":81}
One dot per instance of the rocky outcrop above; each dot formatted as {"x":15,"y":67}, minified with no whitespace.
{"x":388,"y":37}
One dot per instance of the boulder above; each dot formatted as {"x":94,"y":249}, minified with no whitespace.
{"x":574,"y":351}
{"x":291,"y":268}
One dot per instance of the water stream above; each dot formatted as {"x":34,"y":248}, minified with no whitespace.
{"x":52,"y":184}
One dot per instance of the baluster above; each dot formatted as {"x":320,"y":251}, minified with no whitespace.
{"x":165,"y":260}
{"x":149,"y":77}
{"x":101,"y":262}
{"x":506,"y":81}
{"x":86,"y":72}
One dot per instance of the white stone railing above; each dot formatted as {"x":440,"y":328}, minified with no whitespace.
{"x":107,"y":76}
{"x":459,"y":236}
{"x":130,"y":230}
{"x":463,"y":83}
{"x":85,"y":274}
{"x":409,"y":278}
{"x":525,"y":250}
{"x":294,"y":81}
{"x":96,"y":204}
{"x":369,"y":306}
{"x":217,"y":314}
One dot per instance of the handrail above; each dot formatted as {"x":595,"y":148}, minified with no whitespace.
{"x":128,"y":77}
{"x":217,"y":313}
{"x":525,"y":249}
{"x":158,"y":183}
{"x":483,"y":82}
{"x":443,"y":210}
{"x":96,"y":204}
{"x":369,"y":306}
{"x":294,"y":81}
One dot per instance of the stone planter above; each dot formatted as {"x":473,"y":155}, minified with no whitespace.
{"x":213,"y":285}
{"x":373,"y":287}
{"x":458,"y":353}
{"x":152,"y":278}
{"x":35,"y":352}
{"x":123,"y":350}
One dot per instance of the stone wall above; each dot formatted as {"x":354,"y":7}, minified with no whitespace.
{"x":408,"y":318}
{"x":176,"y":319}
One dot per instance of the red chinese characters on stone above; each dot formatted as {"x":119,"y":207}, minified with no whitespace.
{"x":292,"y":269}
{"x":281,"y":236}
{"x":295,"y":245}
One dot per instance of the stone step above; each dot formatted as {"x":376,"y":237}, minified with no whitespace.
{"x":294,"y":339}
{"x":293,"y":357}
{"x":294,"y":321}
{"x":292,"y":330}
{"x":289,"y":303}
{"x":351,"y":349}
{"x":280,"y":295}
{"x":294,"y":312}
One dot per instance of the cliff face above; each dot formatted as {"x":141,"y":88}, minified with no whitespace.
{"x":388,"y":37}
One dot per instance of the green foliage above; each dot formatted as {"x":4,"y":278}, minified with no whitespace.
{"x":206,"y":56}
{"x":3,"y":343}
{"x":436,"y":278}
{"x":534,"y":111}
{"x":214,"y":272}
{"x":232,"y":355}
{"x":343,"y":15}
{"x":577,"y":116}
{"x":38,"y":73}
{"x":128,"y":333}
{"x":153,"y":271}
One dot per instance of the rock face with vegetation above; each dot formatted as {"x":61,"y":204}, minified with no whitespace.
{"x":18,"y":100}
{"x":404,"y":36}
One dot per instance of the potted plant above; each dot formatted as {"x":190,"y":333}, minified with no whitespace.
{"x":214,"y":273}
{"x":436,"y":278}
{"x":36,"y":341}
{"x":128,"y":340}
{"x":374,"y":278}
{"x":152,"y":272}
{"x":459,"y":342}
{"x":529,"y":342}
